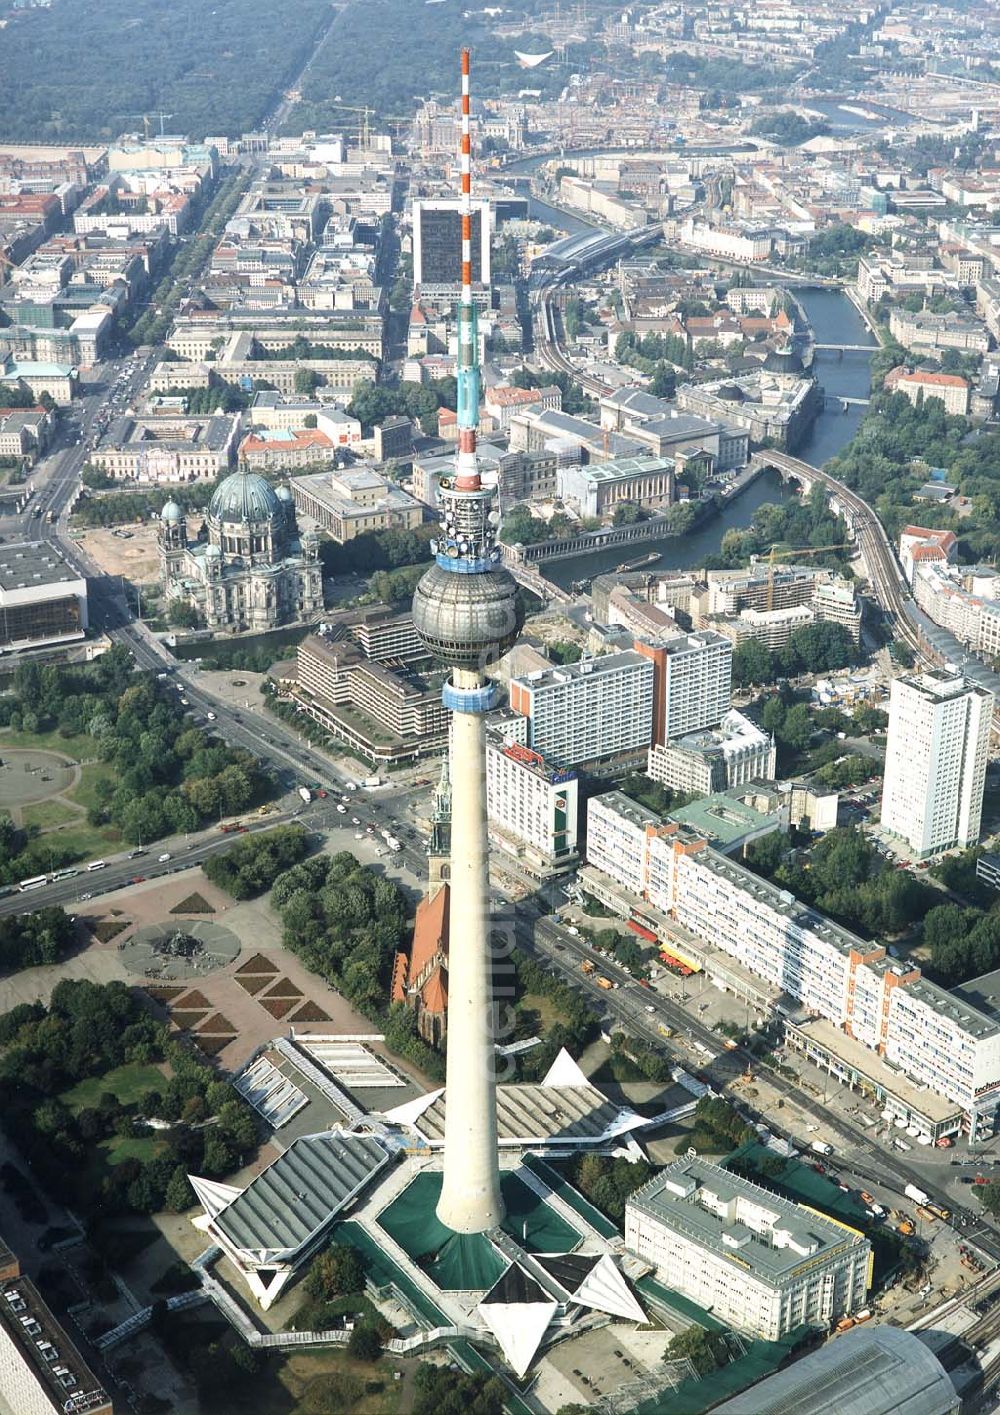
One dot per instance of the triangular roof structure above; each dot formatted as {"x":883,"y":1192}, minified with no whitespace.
{"x":568,"y":1269}
{"x":595,"y":1282}
{"x":564,"y":1071}
{"x":518,"y":1313}
{"x":213,"y":1196}
{"x":605,"y":1289}
{"x":410,"y":1111}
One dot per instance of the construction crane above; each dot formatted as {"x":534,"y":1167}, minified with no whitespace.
{"x":773,"y":557}
{"x":364,"y":129}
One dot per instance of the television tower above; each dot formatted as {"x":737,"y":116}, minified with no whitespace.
{"x":467,"y":611}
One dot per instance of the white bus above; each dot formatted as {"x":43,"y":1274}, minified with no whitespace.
{"x":97,"y":865}
{"x":35,"y":883}
{"x":64,"y":874}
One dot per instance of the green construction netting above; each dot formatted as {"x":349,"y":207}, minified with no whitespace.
{"x":533,"y":1222}
{"x":675,"y":1302}
{"x":383,"y":1271}
{"x":800,"y":1181}
{"x":693,"y":1397}
{"x":571,"y":1196}
{"x":469,"y":1262}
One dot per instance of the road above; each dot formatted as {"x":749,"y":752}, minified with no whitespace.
{"x":643,"y":1011}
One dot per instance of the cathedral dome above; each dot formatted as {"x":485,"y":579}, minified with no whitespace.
{"x":171,"y":512}
{"x":244,"y":497}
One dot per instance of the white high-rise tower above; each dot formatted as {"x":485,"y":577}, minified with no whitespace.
{"x":935,"y":760}
{"x":468,"y":611}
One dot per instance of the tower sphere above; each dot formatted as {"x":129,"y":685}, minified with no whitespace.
{"x":467,"y":620}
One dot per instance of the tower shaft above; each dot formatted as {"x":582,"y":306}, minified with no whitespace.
{"x":470,"y":1195}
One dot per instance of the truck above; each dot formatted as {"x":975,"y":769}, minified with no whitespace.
{"x":917,"y":1195}
{"x":664,"y":1030}
{"x":821,"y":1147}
{"x":305,"y":793}
{"x":370,"y":782}
{"x":587,"y":967}
{"x":604,"y":983}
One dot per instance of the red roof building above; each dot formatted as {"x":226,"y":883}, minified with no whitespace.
{"x":421,"y":981}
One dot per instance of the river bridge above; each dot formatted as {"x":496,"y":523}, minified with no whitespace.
{"x":846,"y":401}
{"x":848,"y":348}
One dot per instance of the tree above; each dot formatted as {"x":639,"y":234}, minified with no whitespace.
{"x":752,"y":663}
{"x":306,"y":382}
{"x":336,"y":1272}
{"x":797,"y":729}
{"x":706,"y":1350}
{"x":180,"y":1194}
{"x":364,"y":1343}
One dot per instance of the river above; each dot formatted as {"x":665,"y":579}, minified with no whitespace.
{"x":835,"y":321}
{"x":840,"y":120}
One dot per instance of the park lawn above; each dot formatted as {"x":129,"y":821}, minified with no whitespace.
{"x":84,"y":793}
{"x":87,"y":842}
{"x":49,"y":814}
{"x":80,"y":748}
{"x":127,"y":1083}
{"x":301,"y":1371}
{"x":546,"y":1008}
{"x":123,"y":1147}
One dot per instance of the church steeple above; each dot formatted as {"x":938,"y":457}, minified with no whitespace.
{"x":439,"y":850}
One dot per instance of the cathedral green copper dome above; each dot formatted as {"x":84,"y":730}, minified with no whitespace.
{"x":243,"y":497}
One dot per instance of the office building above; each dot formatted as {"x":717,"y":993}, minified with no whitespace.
{"x":41,"y":1371}
{"x":731,"y":754}
{"x":596,"y":709}
{"x":935,"y":760}
{"x":437,"y":244}
{"x":988,"y":869}
{"x":932,"y":1058}
{"x":167,"y":448}
{"x":872,"y":1370}
{"x":595,"y":490}
{"x":388,"y":712}
{"x":353,"y":501}
{"x":757,"y":1262}
{"x":531,"y":806}
{"x":618,"y":834}
{"x":834,"y":602}
{"x":692,"y":682}
{"x":924,"y":545}
{"x":920,"y":384}
{"x":772,"y":628}
{"x":43,"y":600}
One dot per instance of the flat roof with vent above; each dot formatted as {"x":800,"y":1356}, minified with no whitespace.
{"x":33,"y":563}
{"x":748,"y":1225}
{"x":44,"y":1347}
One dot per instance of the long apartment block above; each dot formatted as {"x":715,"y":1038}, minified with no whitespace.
{"x":923,"y":1037}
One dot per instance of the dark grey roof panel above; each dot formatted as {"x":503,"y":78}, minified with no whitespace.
{"x":300,"y":1191}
